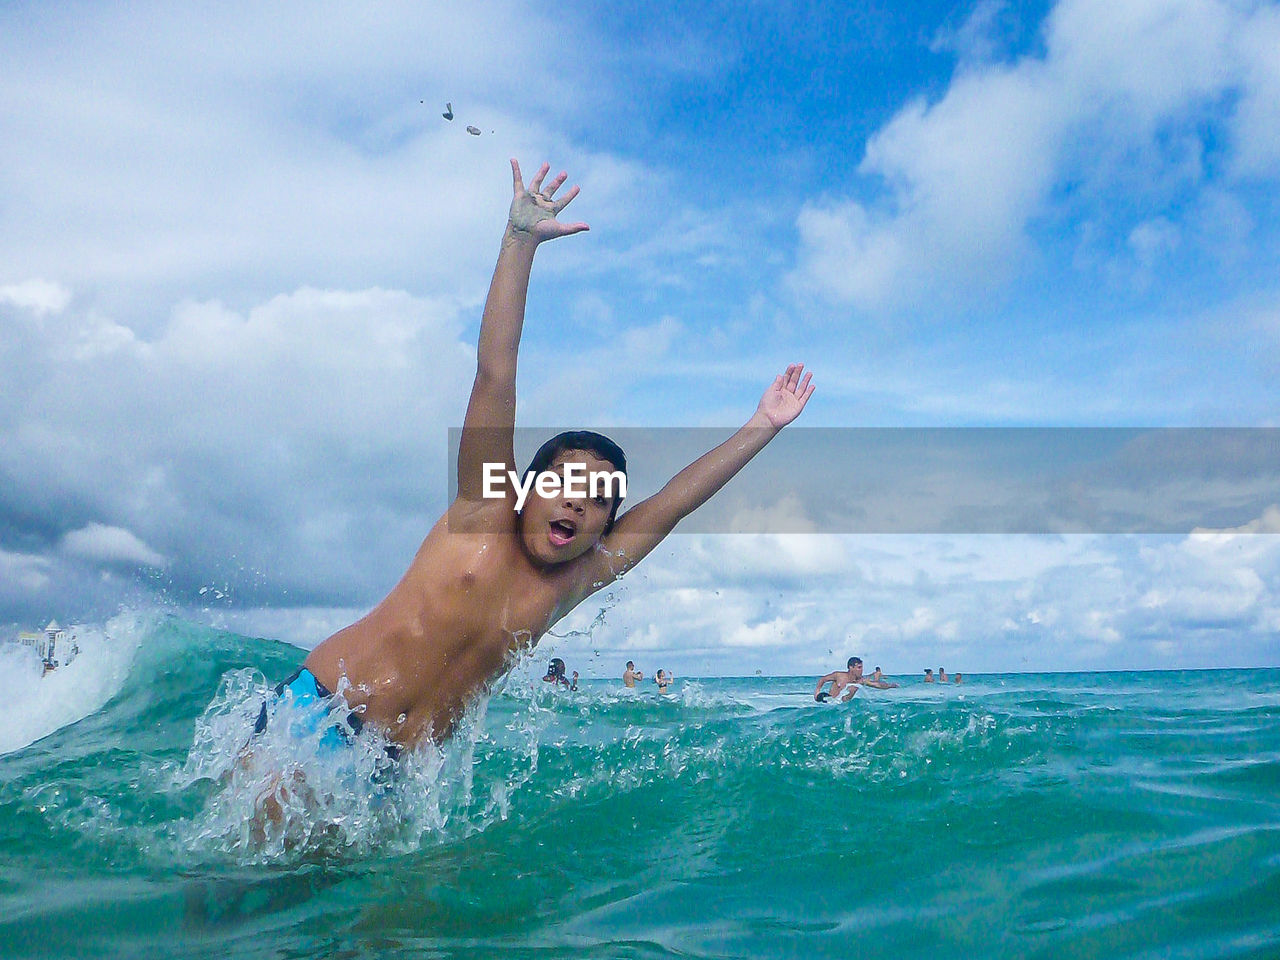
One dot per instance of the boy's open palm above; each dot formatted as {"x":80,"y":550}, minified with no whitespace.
{"x":534,"y":210}
{"x":784,"y":400}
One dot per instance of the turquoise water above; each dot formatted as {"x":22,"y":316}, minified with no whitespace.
{"x":1111,"y":815}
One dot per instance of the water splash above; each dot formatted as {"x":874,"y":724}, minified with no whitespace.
{"x":36,"y":705}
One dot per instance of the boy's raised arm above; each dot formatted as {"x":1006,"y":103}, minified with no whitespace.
{"x":644,"y":526}
{"x":488,"y":430}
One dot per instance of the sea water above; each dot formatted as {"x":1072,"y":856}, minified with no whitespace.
{"x":1030,"y":815}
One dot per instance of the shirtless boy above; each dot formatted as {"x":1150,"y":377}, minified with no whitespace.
{"x":839,"y":680}
{"x":489,"y":581}
{"x":631,"y":674}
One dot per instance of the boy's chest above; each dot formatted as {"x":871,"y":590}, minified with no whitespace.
{"x":495,"y":591}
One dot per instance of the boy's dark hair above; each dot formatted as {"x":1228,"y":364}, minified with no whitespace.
{"x":590,"y":442}
{"x":852,"y":661}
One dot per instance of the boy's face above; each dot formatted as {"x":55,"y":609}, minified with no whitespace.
{"x":561,"y":528}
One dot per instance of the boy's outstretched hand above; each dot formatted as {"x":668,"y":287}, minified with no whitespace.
{"x":534,"y":210}
{"x":784,"y":400}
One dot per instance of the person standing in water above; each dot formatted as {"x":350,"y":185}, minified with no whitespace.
{"x":631,"y":674}
{"x":555,"y":673}
{"x":499,"y":569}
{"x":840,"y":680}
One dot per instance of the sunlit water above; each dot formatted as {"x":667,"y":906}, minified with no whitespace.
{"x":1113,"y":815}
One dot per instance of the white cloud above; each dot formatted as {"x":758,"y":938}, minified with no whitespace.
{"x":1153,"y":239}
{"x":24,"y":571}
{"x":38,"y":296}
{"x":974,"y":603}
{"x":239,"y":152}
{"x":305,"y":435}
{"x":1256,"y":124}
{"x":787,"y":515}
{"x":1269,"y":522}
{"x":1107,"y":109}
{"x":107,"y":544}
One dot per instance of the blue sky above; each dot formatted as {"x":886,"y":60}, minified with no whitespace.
{"x":242,"y":258}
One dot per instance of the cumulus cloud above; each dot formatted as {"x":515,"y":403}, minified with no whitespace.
{"x":303,"y":436}
{"x":38,"y":296}
{"x":24,"y":572}
{"x":1269,"y":522}
{"x":239,"y":153}
{"x":99,"y":542}
{"x":1107,"y":114}
{"x":802,"y":603}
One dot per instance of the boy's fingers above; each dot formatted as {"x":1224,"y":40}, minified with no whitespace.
{"x":516,"y":183}
{"x":536,"y":183}
{"x":564,"y":201}
{"x":555,"y":185}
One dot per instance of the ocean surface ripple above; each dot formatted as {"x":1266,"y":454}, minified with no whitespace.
{"x":1021,"y":815}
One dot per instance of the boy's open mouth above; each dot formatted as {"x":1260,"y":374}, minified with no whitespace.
{"x":562,"y":531}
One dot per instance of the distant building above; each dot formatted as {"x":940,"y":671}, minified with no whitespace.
{"x":47,"y":644}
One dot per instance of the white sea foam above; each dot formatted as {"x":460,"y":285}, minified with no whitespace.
{"x":36,"y":706}
{"x":290,"y":792}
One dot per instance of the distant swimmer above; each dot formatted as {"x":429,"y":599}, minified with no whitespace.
{"x":942,"y":675}
{"x":839,"y":680}
{"x":928,"y":676}
{"x":959,"y":678}
{"x":663,"y":680}
{"x":555,"y":673}
{"x":574,"y":684}
{"x":631,"y":674}
{"x":877,"y":680}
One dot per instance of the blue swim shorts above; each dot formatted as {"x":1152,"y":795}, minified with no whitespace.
{"x":310,"y":699}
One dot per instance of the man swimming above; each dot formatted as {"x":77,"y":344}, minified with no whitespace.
{"x":490,"y":579}
{"x":839,"y":680}
{"x":878,"y":681}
